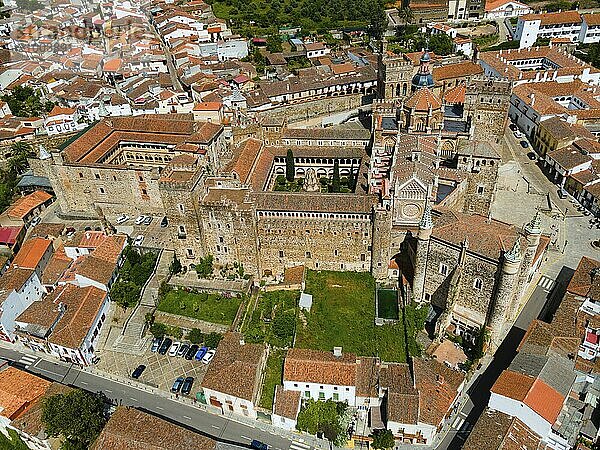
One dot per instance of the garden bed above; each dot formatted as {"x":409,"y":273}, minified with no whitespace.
{"x":214,"y":308}
{"x":387,"y":300}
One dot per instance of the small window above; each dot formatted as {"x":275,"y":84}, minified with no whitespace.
{"x":97,"y":176}
{"x":80,"y":174}
{"x":281,"y":253}
{"x":307,"y":394}
{"x":144,"y":192}
{"x":335,"y":253}
{"x":295,"y":384}
{"x":336,"y":397}
{"x":101,"y":190}
{"x":321,"y":395}
{"x":181,"y":208}
{"x":190,"y":252}
{"x":480,"y":190}
{"x":307,"y":255}
{"x":443,"y":269}
{"x":478,"y":283}
{"x":363,"y":257}
{"x":141,"y":178}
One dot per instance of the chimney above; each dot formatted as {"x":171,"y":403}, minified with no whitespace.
{"x":337,"y":352}
{"x":242,"y":342}
{"x":532,"y":97}
{"x":439,"y":379}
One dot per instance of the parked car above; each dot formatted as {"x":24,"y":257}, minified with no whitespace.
{"x":140,"y":220}
{"x":138,"y":240}
{"x":164,"y":222}
{"x":70,"y":231}
{"x":155,"y":344}
{"x":259,"y":445}
{"x":177,"y":385}
{"x":513,"y":127}
{"x":138,"y":371}
{"x":524,"y":144}
{"x":187,"y":385}
{"x":164,"y":347}
{"x":518,"y":134}
{"x":208,"y":357}
{"x":532,"y":156}
{"x":174,"y":348}
{"x":200,"y":353}
{"x":35,"y":221}
{"x":191,"y":352}
{"x":121,"y":219}
{"x":147,"y":220}
{"x":183,"y":350}
{"x":562,"y":193}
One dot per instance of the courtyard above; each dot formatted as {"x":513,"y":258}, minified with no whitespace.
{"x":343,"y":315}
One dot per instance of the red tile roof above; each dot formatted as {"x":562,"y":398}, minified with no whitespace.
{"x":18,"y":391}
{"x":423,"y":99}
{"x":315,"y":366}
{"x":8,"y":235}
{"x":24,"y":205}
{"x":31,"y":253}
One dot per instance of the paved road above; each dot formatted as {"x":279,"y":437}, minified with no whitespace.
{"x":218,"y":427}
{"x":479,"y":392}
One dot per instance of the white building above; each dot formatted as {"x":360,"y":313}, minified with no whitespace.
{"x":19,"y":288}
{"x":316,"y":50}
{"x":501,"y":9}
{"x":590,"y":28}
{"x":565,"y":24}
{"x":286,"y":405}
{"x":457,"y":10}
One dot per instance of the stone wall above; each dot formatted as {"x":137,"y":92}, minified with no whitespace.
{"x":321,"y":107}
{"x":476,"y":201}
{"x":319,"y":244}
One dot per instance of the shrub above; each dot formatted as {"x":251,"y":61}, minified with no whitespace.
{"x":195,"y":336}
{"x":212,"y":339}
{"x":158,"y":329}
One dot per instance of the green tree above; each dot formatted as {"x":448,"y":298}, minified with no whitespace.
{"x":29,"y":5}
{"x":383,"y":439}
{"x":24,"y":101}
{"x":158,"y":330}
{"x":479,"y":345}
{"x":125,"y":293}
{"x":406,"y":15}
{"x":290,"y":166}
{"x":441,"y":44}
{"x":274,"y":43}
{"x":335,"y":183}
{"x":377,"y":18}
{"x":324,"y":417}
{"x":77,"y":416}
{"x":13,"y":442}
{"x":195,"y":336}
{"x":212,"y":339}
{"x":176,"y":266}
{"x":204,"y":268}
{"x":283,"y":326}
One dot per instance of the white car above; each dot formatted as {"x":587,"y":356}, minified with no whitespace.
{"x":121,"y":219}
{"x":138,"y":240}
{"x":35,"y":221}
{"x":518,"y":134}
{"x":140,"y":220}
{"x":209,"y":356}
{"x":174,"y":348}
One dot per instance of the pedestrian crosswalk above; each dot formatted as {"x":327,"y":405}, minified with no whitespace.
{"x":27,"y":360}
{"x":546,"y":283}
{"x":298,"y":445}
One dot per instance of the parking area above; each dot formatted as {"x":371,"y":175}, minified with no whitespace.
{"x":161,"y":370}
{"x":155,"y":235}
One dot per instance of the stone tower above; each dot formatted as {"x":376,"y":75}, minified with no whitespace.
{"x":533,"y":233}
{"x":486,"y":107}
{"x":502,"y":302}
{"x":382,"y":242}
{"x":425,"y":229}
{"x":394,"y":76}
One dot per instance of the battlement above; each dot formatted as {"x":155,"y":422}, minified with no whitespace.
{"x":483,"y":84}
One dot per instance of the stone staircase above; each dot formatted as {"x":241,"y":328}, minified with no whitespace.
{"x":132,"y":339}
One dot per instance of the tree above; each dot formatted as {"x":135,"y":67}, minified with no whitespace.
{"x":274,"y":43}
{"x":406,"y":15}
{"x":176,"y":266}
{"x":204,"y":268}
{"x":383,"y":439}
{"x":12,"y":442}
{"x":24,"y":101}
{"x":324,"y":417}
{"x":377,"y":18}
{"x":290,"y":166}
{"x":158,"y":330}
{"x":29,"y":5}
{"x":125,"y":293}
{"x":283,"y":325}
{"x":78,"y":416}
{"x":441,"y":44}
{"x":335,"y":183}
{"x":20,"y":151}
{"x":195,"y":336}
{"x":212,"y":339}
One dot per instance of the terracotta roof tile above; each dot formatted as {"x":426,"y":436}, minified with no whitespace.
{"x":544,"y":400}
{"x":456,"y":70}
{"x":287,"y":403}
{"x":582,"y":280}
{"x":495,"y":430}
{"x":136,"y":430}
{"x":18,"y":391}
{"x":31,"y":253}
{"x":315,"y":366}
{"x":513,"y":385}
{"x":24,"y":205}
{"x":422,"y":100}
{"x":555,"y":18}
{"x":235,"y":369}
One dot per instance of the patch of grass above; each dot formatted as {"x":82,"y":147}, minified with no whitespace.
{"x":388,"y":304}
{"x":200,"y":305}
{"x":343,"y":314}
{"x":273,"y":319}
{"x":13,"y":443}
{"x":273,"y":377}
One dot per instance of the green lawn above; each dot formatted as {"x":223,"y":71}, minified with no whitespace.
{"x":273,"y":319}
{"x":343,"y":314}
{"x":200,"y":305}
{"x":388,"y":304}
{"x":273,"y":377}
